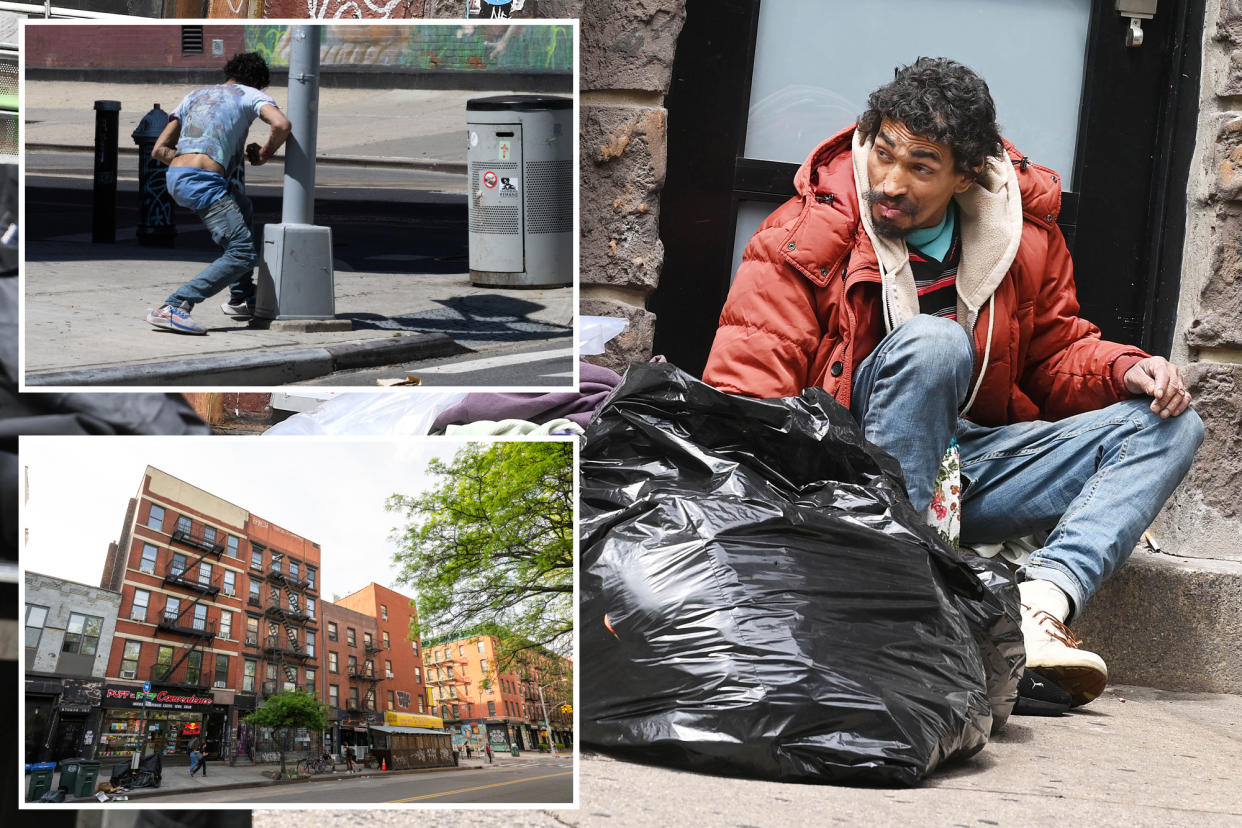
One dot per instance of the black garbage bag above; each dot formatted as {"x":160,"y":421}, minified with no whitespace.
{"x":759,"y":597}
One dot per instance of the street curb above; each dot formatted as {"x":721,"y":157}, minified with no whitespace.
{"x":269,"y":783}
{"x":454,"y":167}
{"x":261,"y":368}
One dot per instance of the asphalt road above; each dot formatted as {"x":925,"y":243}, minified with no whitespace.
{"x":534,"y":781}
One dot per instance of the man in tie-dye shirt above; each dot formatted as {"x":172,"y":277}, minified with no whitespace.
{"x":205,"y":148}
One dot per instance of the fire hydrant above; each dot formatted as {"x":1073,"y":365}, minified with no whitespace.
{"x":157,"y":226}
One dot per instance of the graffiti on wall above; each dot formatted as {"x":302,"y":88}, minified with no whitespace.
{"x":507,"y":48}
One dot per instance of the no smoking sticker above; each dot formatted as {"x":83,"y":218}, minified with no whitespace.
{"x":489,"y":180}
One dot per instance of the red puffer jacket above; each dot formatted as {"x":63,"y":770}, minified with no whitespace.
{"x":805,"y":308}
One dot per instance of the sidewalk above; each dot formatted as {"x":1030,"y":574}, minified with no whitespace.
{"x":402,"y":284}
{"x":1134,"y":757}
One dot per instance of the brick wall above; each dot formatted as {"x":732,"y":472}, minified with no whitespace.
{"x":379,"y":601}
{"x":127,"y":47}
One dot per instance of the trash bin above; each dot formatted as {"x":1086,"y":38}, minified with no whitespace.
{"x":40,"y":779}
{"x":521,"y":211}
{"x":88,"y":775}
{"x":69,"y":774}
{"x":513,"y":750}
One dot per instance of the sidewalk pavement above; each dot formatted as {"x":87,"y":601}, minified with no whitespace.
{"x":85,"y":310}
{"x":85,"y":304}
{"x":407,"y":127}
{"x":1134,"y":757}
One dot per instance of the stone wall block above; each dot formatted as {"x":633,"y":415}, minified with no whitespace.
{"x":1229,"y":23}
{"x":1227,"y":159}
{"x":1218,"y":321}
{"x":623,"y":162}
{"x":631,"y":345}
{"x":629,"y":44}
{"x":1216,"y":476}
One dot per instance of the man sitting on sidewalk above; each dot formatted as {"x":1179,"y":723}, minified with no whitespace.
{"x":919,"y":277}
{"x":203,"y":147}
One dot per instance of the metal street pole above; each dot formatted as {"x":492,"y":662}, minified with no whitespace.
{"x":299,"y":190}
{"x":551,"y":741}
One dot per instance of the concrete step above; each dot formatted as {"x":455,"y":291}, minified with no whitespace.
{"x":1170,"y":623}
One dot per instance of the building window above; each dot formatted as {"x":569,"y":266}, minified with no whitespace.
{"x":129,"y":659}
{"x":482,"y":646}
{"x":353,"y":698}
{"x":194,"y":667}
{"x":350,"y":637}
{"x":36,"y":617}
{"x":248,"y":674}
{"x":387,"y":669}
{"x":256,"y":558}
{"x":385,"y":634}
{"x":200,"y":617}
{"x":334,"y":695}
{"x":366,"y":639}
{"x":310,"y":643}
{"x":420,"y":703}
{"x":252,"y":632}
{"x":82,"y":634}
{"x":483,"y":664}
{"x":276,"y":562}
{"x":230,"y":582}
{"x":418,"y":674}
{"x":332,"y":662}
{"x":293,"y":569}
{"x":310,"y":680}
{"x":461,"y":651}
{"x":204,"y":574}
{"x":491,"y":708}
{"x":226,"y":624}
{"x":384,"y":611}
{"x":172,"y":608}
{"x":163,"y":656}
{"x":178,"y":564}
{"x":184,"y":525}
{"x":255,"y":599}
{"x":155,"y":520}
{"x":332,"y":631}
{"x":449,"y":671}
{"x":149,"y":554}
{"x":138,"y":612}
{"x":232,"y":544}
{"x":310,"y":607}
{"x":456,"y":715}
{"x":392,"y":704}
{"x":209,"y":534}
{"x":222,"y":671}
{"x":413,"y":645}
{"x":310,"y":576}
{"x":353,"y":664}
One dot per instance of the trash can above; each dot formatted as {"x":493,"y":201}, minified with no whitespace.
{"x":521,"y":206}
{"x":69,"y":774}
{"x":513,"y":750}
{"x":88,"y":775}
{"x":40,"y":779}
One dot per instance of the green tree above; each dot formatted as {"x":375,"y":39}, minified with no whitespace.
{"x":491,"y":544}
{"x":289,"y":711}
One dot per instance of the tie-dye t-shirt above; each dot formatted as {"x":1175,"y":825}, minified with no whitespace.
{"x":215,"y":120}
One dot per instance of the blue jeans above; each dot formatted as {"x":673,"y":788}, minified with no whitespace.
{"x":229,"y":222}
{"x":1097,"y":479}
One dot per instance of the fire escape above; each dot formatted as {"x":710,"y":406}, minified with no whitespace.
{"x":286,"y":621}
{"x":449,"y":684}
{"x":190,"y":619}
{"x":366,"y":678}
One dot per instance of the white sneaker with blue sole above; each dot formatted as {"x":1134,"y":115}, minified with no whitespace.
{"x":175,"y":319}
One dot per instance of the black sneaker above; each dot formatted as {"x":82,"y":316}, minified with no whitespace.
{"x":1039,"y":696}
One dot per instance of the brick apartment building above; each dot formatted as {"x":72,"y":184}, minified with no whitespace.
{"x":480,"y":705}
{"x":392,"y":665}
{"x":349,"y":677}
{"x":217,"y":612}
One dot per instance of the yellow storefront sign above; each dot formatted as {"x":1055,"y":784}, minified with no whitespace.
{"x":412,"y":720}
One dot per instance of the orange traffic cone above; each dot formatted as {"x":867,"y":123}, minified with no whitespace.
{"x":384,"y":763}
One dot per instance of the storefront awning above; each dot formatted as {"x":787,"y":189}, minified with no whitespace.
{"x":400,"y":729}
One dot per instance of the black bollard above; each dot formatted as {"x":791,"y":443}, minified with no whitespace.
{"x":156,"y":225}
{"x":103,"y":210}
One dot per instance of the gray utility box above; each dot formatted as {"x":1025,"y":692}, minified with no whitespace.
{"x":520,"y":149}
{"x":295,"y":273}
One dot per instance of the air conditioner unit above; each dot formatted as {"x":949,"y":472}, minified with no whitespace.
{"x":219,"y":685}
{"x":129,"y":674}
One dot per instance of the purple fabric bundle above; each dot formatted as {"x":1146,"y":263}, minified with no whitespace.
{"x":594,"y":386}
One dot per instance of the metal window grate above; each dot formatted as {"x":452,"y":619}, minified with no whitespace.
{"x":191,"y":40}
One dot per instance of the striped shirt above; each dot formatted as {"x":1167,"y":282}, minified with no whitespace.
{"x":936,"y":281}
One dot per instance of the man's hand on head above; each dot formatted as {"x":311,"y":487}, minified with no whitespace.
{"x":1162,"y":381}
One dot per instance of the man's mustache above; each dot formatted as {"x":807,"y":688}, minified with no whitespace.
{"x":901,"y":203}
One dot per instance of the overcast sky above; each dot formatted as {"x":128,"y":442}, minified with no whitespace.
{"x":329,"y":490}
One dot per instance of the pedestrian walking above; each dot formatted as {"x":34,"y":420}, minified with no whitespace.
{"x":204,"y":147}
{"x":488,"y":748}
{"x":349,"y":759}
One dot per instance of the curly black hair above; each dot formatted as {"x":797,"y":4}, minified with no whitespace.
{"x":248,"y":68}
{"x":943,"y":101}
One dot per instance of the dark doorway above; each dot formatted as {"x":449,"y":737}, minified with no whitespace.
{"x":67,"y":743}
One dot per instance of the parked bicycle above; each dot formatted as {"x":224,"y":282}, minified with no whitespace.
{"x":318,"y":764}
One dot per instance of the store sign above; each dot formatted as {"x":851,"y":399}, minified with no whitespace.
{"x":115,"y":696}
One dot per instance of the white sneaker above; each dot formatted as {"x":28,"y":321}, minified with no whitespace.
{"x":1053,"y":652}
{"x":175,"y":319}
